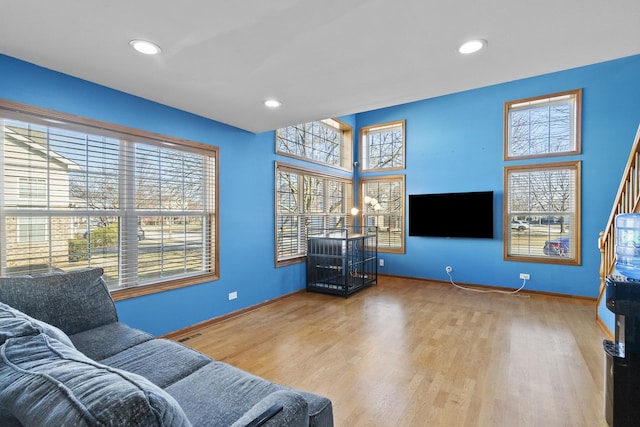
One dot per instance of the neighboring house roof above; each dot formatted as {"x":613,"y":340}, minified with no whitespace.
{"x":38,"y":148}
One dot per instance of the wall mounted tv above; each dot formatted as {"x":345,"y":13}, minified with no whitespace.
{"x":452,"y":214}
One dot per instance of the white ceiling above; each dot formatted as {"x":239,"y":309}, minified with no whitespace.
{"x":222,"y":58}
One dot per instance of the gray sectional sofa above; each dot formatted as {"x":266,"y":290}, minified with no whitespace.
{"x":66,"y":360}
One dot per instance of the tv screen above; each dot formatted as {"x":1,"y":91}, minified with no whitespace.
{"x":451,"y":214}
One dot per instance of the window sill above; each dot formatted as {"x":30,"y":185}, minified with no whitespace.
{"x":138,"y":291}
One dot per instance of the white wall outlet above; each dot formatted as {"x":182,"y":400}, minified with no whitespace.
{"x":233,"y":295}
{"x":448,"y":269}
{"x":525,"y":276}
{"x":381,"y":262}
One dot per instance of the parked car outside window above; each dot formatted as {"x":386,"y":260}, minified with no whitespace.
{"x":557,"y":247}
{"x":519,"y":225}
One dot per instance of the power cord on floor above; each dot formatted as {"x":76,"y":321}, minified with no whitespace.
{"x":495,"y":291}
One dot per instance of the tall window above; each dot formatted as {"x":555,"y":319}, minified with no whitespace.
{"x":139,"y":205}
{"x":307,"y":200}
{"x":543,"y":126}
{"x":542,"y":214}
{"x":383,"y":146}
{"x":327,"y":142}
{"x":382,"y":202}
{"x":542,"y":201}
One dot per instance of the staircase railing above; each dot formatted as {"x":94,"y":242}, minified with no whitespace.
{"x":627,"y":201}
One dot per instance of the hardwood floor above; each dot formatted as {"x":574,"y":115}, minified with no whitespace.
{"x":416,"y":353}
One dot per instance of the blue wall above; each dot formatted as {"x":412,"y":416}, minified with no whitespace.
{"x":454,"y":143}
{"x":246,"y":195}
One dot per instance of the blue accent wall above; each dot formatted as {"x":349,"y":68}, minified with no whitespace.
{"x":454,"y":143}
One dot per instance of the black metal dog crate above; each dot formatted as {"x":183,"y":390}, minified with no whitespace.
{"x":340,"y":262}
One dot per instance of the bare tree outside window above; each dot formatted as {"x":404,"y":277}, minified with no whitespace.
{"x":543,"y":126}
{"x":142,"y":210}
{"x":542,"y":218}
{"x":542,"y":201}
{"x":383,"y":146}
{"x":307,"y":200}
{"x":382,"y":200}
{"x":326,"y":142}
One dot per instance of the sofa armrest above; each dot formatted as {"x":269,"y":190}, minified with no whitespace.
{"x":73,"y":301}
{"x":287,"y":408}
{"x":264,"y":417}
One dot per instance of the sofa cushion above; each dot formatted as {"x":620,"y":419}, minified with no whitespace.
{"x":14,"y":323}
{"x":80,"y":298}
{"x":161,"y":361}
{"x":107,"y":340}
{"x":44,"y":382}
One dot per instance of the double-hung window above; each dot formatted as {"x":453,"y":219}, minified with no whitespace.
{"x":382,"y":197}
{"x":79,"y":193}
{"x":382,"y":201}
{"x":307,"y":200}
{"x":542,"y":200}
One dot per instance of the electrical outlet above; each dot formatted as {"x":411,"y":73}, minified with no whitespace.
{"x":448,"y":269}
{"x":525,"y":276}
{"x":233,"y":295}
{"x":381,"y":262}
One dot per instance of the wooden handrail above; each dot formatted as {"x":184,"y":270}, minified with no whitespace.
{"x":627,"y":201}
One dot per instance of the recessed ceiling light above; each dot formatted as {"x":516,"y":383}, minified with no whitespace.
{"x":272,"y":103}
{"x":146,"y":47}
{"x":472,"y":46}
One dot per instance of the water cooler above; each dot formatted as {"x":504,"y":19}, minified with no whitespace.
{"x":622,"y":356}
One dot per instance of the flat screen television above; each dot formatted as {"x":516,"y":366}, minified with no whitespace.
{"x":467,"y":214}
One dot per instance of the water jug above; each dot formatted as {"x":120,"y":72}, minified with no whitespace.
{"x":628,"y":245}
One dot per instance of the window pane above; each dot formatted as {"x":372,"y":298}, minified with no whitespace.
{"x":143,"y":211}
{"x":32,"y":189}
{"x":383,"y":146}
{"x":543,"y":126}
{"x":314,"y":194}
{"x":32,"y":229}
{"x":383,"y":207}
{"x":287,"y":192}
{"x":307,"y":200}
{"x":170,"y":246}
{"x":321,"y":141}
{"x":288,"y":236}
{"x":542,"y":211}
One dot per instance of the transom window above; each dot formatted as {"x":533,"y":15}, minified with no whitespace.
{"x":383,"y":146}
{"x":326,"y":142}
{"x":141,"y":206}
{"x":542,"y":213}
{"x":306,"y":200}
{"x":382,"y":201}
{"x":543,"y":126}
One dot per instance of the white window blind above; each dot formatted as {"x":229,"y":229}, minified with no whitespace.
{"x":542,"y":212}
{"x":543,"y":126}
{"x":307,"y":200}
{"x":74,"y":195}
{"x":383,"y":207}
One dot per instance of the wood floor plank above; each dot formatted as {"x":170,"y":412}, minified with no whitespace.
{"x":411,"y":353}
